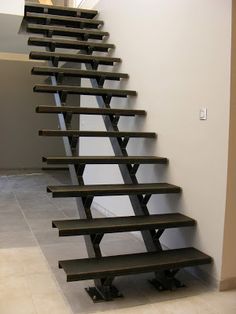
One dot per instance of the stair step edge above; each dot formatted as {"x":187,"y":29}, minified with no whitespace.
{"x":92,"y":268}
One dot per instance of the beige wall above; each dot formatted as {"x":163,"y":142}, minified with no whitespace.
{"x":177,"y":53}
{"x":21,"y":147}
{"x":228,"y":276}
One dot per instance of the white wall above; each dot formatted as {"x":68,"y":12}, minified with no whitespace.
{"x":86,"y":4}
{"x":177,"y":53}
{"x":12,"y":7}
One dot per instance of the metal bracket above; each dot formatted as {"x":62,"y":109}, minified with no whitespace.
{"x":79,"y":171}
{"x":84,"y":37}
{"x":103,"y":293}
{"x":87,"y":202}
{"x":89,"y":50}
{"x":81,"y":25}
{"x":97,"y":238}
{"x":134,"y":170}
{"x":47,"y":21}
{"x":63,"y":97}
{"x":156,"y":238}
{"x":115,"y":120}
{"x":59,"y":77}
{"x":123,"y":143}
{"x":94,"y":65}
{"x":73,"y":143}
{"x":146,"y":199}
{"x":107,"y":100}
{"x":158,"y":234}
{"x":55,"y":61}
{"x":50,"y":33}
{"x":101,"y":81}
{"x":166,"y":281}
{"x":68,"y":118}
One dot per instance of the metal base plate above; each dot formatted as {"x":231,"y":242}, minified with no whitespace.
{"x":175,"y":284}
{"x":98,"y":295}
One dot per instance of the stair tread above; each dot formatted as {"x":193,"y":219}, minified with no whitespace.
{"x":70,"y":44}
{"x":106,"y":160}
{"x":70,"y":89}
{"x":119,"y":134}
{"x":72,"y":227}
{"x":66,"y":31}
{"x":118,"y":265}
{"x":62,"y":20}
{"x":78,"y":72}
{"x":41,"y":55}
{"x":112,"y":189}
{"x":68,"y":11}
{"x":88,"y":110}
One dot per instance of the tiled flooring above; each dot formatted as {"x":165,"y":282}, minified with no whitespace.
{"x":30,"y":281}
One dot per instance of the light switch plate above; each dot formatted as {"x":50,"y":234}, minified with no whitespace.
{"x":203,"y":114}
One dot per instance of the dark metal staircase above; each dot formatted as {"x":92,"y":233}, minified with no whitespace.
{"x":82,"y":24}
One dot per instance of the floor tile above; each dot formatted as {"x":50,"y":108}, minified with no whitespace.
{"x":50,"y":303}
{"x":19,"y":305}
{"x":16,"y":239}
{"x":32,"y":283}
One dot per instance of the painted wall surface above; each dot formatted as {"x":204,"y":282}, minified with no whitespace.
{"x":19,"y":124}
{"x":178,"y":56}
{"x":10,"y":39}
{"x":12,"y":7}
{"x":86,"y":4}
{"x":21,"y":147}
{"x":228,"y":277}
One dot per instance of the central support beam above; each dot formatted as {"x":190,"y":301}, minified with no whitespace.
{"x":128,"y":178}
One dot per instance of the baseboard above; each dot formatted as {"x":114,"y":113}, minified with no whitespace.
{"x":227,"y":284}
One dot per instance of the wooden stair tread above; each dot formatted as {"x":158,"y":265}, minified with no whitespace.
{"x":56,"y":9}
{"x":66,"y":31}
{"x":70,"y":44}
{"x":119,"y":134}
{"x":74,"y":227}
{"x":90,"y":111}
{"x":118,"y":265}
{"x":45,"y":88}
{"x":41,"y":55}
{"x":112,"y":189}
{"x":105,"y":160}
{"x":78,"y":73}
{"x":33,"y":17}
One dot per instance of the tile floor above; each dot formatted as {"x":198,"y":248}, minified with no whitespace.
{"x":30,"y":281}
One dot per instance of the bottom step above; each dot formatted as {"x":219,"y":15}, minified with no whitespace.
{"x":111,"y":266}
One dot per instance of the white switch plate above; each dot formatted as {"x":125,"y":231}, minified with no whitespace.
{"x":203,"y":114}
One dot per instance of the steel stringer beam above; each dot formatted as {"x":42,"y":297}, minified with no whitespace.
{"x":138,"y":207}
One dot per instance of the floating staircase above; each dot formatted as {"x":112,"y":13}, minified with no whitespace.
{"x":83,"y":27}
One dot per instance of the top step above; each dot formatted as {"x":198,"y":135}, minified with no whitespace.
{"x":49,"y":19}
{"x":59,"y":10}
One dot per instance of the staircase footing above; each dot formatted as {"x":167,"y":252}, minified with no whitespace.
{"x":166,"y":281}
{"x":102,"y":294}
